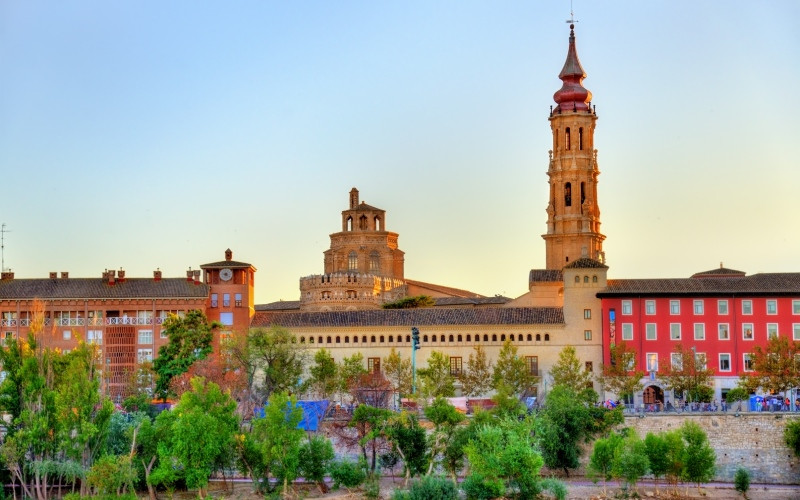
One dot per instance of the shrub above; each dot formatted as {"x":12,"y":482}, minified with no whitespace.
{"x":477,"y":487}
{"x":741,"y":480}
{"x":347,"y":473}
{"x":433,"y":488}
{"x":556,"y":488}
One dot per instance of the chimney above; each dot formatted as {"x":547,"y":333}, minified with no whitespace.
{"x":53,"y":276}
{"x":228,"y":254}
{"x":121,"y":275}
{"x":111,"y":275}
{"x":157,"y":275}
{"x":64,"y":275}
{"x":189,"y":274}
{"x":196,"y":276}
{"x":353,"y":198}
{"x":7,"y":275}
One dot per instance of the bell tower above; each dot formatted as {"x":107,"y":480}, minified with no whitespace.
{"x":573,"y":216}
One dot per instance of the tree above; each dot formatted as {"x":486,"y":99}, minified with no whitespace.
{"x":323,"y":374}
{"x":620,"y":375}
{"x":350,"y":371}
{"x":791,"y":436}
{"x":657,"y":450}
{"x":477,"y":378}
{"x":410,"y":302}
{"x":190,"y":340}
{"x":435,"y":379}
{"x":569,"y":371}
{"x":202,"y":434}
{"x":675,"y":456}
{"x":688,"y":373}
{"x":314,"y":457}
{"x":776,"y":367}
{"x":277,"y":358}
{"x":741,"y":481}
{"x":398,"y":371}
{"x":602,"y":460}
{"x":700,"y":459}
{"x":512,"y":371}
{"x":407,"y":438}
{"x":736,"y":395}
{"x":630,"y":460}
{"x":445,"y":418}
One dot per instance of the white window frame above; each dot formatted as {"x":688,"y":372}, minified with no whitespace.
{"x":94,"y":337}
{"x":143,"y":336}
{"x":772,"y":330}
{"x":587,"y":335}
{"x":726,"y":356}
{"x":726,"y":327}
{"x":676,"y":361}
{"x":745,"y":357}
{"x":673,"y":327}
{"x":627,"y":331}
{"x":699,"y":307}
{"x":223,"y":318}
{"x":722,"y":307}
{"x":674,"y":307}
{"x":745,"y":328}
{"x":796,"y":331}
{"x":145,"y":354}
{"x":652,"y":361}
{"x":651,"y":331}
{"x":796,"y":307}
{"x":650,"y":307}
{"x":747,"y":307}
{"x":66,"y":335}
{"x":772,"y":307}
{"x":700,"y":328}
{"x":627,"y":307}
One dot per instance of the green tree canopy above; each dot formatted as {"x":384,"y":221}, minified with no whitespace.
{"x":776,"y":367}
{"x":435,"y":379}
{"x":688,"y":372}
{"x":276,"y":355}
{"x":323,"y":373}
{"x":190,"y":339}
{"x":477,"y":378}
{"x":620,"y":375}
{"x":512,"y":371}
{"x":410,"y":302}
{"x":569,"y":371}
{"x":398,"y":370}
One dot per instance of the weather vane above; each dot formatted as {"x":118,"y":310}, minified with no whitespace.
{"x":571,"y":19}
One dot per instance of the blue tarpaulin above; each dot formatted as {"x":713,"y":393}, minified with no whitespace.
{"x":313,"y":413}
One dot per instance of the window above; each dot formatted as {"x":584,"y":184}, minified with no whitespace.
{"x":724,"y":333}
{"x":747,"y":331}
{"x":237,"y":300}
{"x":747,"y":307}
{"x":676,"y":361}
{"x":145,"y":336}
{"x":587,"y":335}
{"x":144,"y":317}
{"x":374,"y":261}
{"x":722,"y":307}
{"x":7,"y":337}
{"x":352,"y":261}
{"x":652,"y":362}
{"x":455,"y":366}
{"x":700,"y":361}
{"x":796,"y":329}
{"x":674,"y":331}
{"x":650,"y":331}
{"x":589,"y":366}
{"x":585,"y":279}
{"x":162,"y":334}
{"x":674,"y":307}
{"x":627,"y":331}
{"x":772,"y":307}
{"x":373,"y":365}
{"x":699,"y":331}
{"x":724,"y":362}
{"x":627,"y":307}
{"x":587,"y":314}
{"x":226,"y":300}
{"x":748,"y":362}
{"x":698,"y":307}
{"x":144,"y":355}
{"x":67,"y":334}
{"x":796,"y":307}
{"x":649,"y":307}
{"x":533,"y":364}
{"x":226,"y":318}
{"x":772,"y":330}
{"x":94,"y":336}
{"x":214,"y":300}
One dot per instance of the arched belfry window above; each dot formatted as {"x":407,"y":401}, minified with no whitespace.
{"x":352,"y":261}
{"x":362,"y":222}
{"x":580,"y":138}
{"x":567,"y":139}
{"x":349,"y":223}
{"x":374,"y":261}
{"x":378,"y":224}
{"x":568,"y":194}
{"x":583,"y":193}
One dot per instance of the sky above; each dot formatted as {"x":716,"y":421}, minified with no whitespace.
{"x":148,"y":134}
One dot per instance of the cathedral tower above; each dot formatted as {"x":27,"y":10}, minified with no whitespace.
{"x":573,"y":217}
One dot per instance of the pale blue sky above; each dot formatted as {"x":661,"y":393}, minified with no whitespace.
{"x":145,"y":134}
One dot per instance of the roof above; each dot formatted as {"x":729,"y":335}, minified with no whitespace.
{"x":226,"y":263}
{"x":757,"y":284}
{"x":427,"y":316}
{"x":363,"y":207}
{"x":540,"y":275}
{"x":98,"y":288}
{"x":715,"y":273}
{"x":456,"y":292}
{"x":475,"y":301}
{"x":281,"y":305}
{"x":586,"y":263}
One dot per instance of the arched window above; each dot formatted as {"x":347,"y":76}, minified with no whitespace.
{"x":485,"y":338}
{"x":364,"y":339}
{"x":349,"y":223}
{"x":383,"y":339}
{"x":319,"y":340}
{"x":460,"y":339}
{"x":391,"y":338}
{"x":346,"y":339}
{"x":567,"y":139}
{"x":352,"y":261}
{"x":594,"y":279}
{"x":512,"y":337}
{"x":434,"y":338}
{"x":469,"y":338}
{"x":378,"y":224}
{"x":338,"y":339}
{"x":408,"y":338}
{"x":580,"y":138}
{"x":362,"y":223}
{"x":327,"y":340}
{"x":538,"y":337}
{"x":503,"y":337}
{"x":529,"y":337}
{"x":583,"y":194}
{"x":374,"y":261}
{"x":302,"y":340}
{"x":450,"y":338}
{"x":585,"y":279}
{"x":577,"y":279}
{"x":547,"y":337}
{"x":568,"y":194}
{"x":494,"y":337}
{"x":372,"y":339}
{"x":424,"y":338}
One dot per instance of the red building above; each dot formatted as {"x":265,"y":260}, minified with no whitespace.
{"x":720,"y":314}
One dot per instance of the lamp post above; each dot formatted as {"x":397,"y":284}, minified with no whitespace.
{"x":414,"y":348}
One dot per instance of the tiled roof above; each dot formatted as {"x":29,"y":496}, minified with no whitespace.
{"x":586,"y":263}
{"x":476,"y":301}
{"x":428,"y":316}
{"x":98,"y":288}
{"x":721,"y":271}
{"x":539,"y":275}
{"x":457,"y":292}
{"x":757,"y":284}
{"x":364,"y":207}
{"x":281,"y":305}
{"x":226,"y":263}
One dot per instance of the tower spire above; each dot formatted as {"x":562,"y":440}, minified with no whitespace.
{"x":572,"y":96}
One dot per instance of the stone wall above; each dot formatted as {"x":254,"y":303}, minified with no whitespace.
{"x":751,"y":440}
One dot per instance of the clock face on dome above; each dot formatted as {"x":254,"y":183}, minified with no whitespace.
{"x":225,"y":274}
